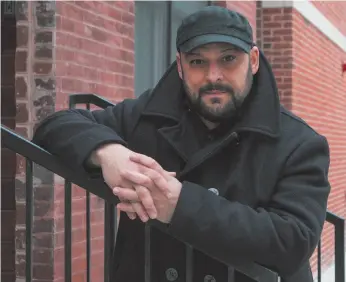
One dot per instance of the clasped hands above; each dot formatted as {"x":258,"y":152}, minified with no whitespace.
{"x":144,"y":188}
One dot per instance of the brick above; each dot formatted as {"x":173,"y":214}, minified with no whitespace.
{"x":21,"y":10}
{"x":21,"y":61}
{"x":43,"y":271}
{"x":43,"y":225}
{"x":43,"y":52}
{"x":22,"y":35}
{"x":45,"y":14}
{"x":21,"y":87}
{"x":22,"y":114}
{"x":43,"y":240}
{"x":44,"y":37}
{"x":22,"y":131}
{"x":45,"y":83}
{"x":42,"y":67}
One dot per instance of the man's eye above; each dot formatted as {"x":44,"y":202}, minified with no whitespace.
{"x":196,"y":62}
{"x":228,"y":58}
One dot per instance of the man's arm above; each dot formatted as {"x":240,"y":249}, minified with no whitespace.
{"x":74,"y":135}
{"x":282,"y":235}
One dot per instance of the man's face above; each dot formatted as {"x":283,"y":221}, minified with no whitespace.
{"x":217,"y":78}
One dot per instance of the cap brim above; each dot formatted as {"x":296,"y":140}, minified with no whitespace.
{"x":198,"y":41}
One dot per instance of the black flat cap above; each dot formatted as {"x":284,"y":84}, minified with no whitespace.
{"x":214,"y":24}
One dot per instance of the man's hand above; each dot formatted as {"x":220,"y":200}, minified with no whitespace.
{"x":114,"y":160}
{"x":164,"y":189}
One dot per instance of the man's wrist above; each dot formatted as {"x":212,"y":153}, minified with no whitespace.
{"x":100,"y":153}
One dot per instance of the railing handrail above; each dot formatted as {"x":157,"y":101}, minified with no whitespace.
{"x":334,"y":218}
{"x":28,"y":149}
{"x":89,"y":98}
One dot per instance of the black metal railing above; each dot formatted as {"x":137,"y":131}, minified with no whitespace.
{"x":339,"y":249}
{"x":96,"y":186}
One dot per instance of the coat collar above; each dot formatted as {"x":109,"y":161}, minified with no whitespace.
{"x":261,"y":113}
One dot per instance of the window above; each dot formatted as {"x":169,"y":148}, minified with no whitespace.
{"x":156,"y":24}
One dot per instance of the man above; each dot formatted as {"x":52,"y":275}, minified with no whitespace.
{"x":210,"y":153}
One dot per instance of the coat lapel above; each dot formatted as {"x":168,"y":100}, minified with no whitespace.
{"x":259,"y":114}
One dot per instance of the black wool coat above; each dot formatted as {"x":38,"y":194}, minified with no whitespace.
{"x":269,"y":171}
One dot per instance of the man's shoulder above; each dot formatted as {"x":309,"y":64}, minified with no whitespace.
{"x":137,"y":103}
{"x":293,"y":126}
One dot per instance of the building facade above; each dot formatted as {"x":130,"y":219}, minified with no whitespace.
{"x":117,"y":50}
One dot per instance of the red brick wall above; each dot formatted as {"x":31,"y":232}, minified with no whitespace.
{"x":94,"y":49}
{"x":94,"y":54}
{"x":319,"y":97}
{"x":34,"y":98}
{"x":275,"y":38}
{"x":334,"y":11}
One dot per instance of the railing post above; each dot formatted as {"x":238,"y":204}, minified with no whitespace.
{"x":68,"y":232}
{"x":340,"y":251}
{"x":29,"y":206}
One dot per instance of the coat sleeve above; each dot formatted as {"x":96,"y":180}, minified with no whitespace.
{"x":281,"y":236}
{"x":73,"y":135}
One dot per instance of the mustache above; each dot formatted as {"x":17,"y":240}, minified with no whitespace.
{"x":215,"y":87}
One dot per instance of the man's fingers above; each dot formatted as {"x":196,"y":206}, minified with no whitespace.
{"x":151,"y":179}
{"x":151,"y":163}
{"x":146,"y":200}
{"x":134,"y":208}
{"x":141,"y":194}
{"x":171,"y":173}
{"x":146,"y":161}
{"x":131,"y":215}
{"x":126,"y":194}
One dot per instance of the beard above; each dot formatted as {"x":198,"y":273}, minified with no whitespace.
{"x":221,"y":112}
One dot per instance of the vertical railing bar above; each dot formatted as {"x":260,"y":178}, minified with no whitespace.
{"x":147,"y":256}
{"x":68,"y":231}
{"x":109,"y":238}
{"x":319,"y":262}
{"x":88,"y":226}
{"x":88,"y":241}
{"x":339,"y":232}
{"x":29,"y":206}
{"x":189,"y":263}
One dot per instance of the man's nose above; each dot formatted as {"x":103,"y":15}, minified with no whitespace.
{"x":214,"y":73}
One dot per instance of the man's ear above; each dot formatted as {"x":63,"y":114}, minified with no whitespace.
{"x":254,"y":59}
{"x":179,"y":65}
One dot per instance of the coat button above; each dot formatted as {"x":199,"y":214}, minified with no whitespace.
{"x":214,"y":190}
{"x":209,"y":278}
{"x":171,"y":274}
